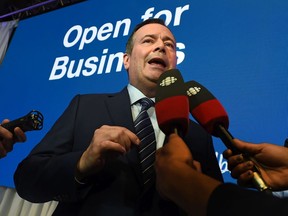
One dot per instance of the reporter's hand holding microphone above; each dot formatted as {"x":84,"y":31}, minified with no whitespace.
{"x":174,"y":99}
{"x":271,"y":160}
{"x":179,"y":178}
{"x":14,"y":131}
{"x":8,"y":139}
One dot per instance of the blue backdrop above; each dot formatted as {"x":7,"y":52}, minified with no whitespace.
{"x":237,"y":49}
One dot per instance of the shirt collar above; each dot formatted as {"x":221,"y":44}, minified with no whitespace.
{"x":135,"y":94}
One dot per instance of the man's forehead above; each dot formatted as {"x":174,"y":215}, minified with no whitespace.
{"x":154,"y":28}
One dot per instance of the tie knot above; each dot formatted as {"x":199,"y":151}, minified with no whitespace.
{"x":146,"y":103}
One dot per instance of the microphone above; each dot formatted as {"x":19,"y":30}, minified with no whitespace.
{"x":209,"y":113}
{"x":171,"y":103}
{"x":32,"y":121}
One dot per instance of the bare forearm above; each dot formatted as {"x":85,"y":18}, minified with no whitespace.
{"x":188,"y":188}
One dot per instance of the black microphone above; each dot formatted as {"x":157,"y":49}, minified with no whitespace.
{"x":171,"y":103}
{"x":286,"y":143}
{"x":32,"y":121}
{"x":209,"y":113}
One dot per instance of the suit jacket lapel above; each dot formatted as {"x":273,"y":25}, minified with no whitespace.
{"x":120,"y":111}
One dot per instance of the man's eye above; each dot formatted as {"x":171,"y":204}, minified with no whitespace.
{"x":169,"y":45}
{"x":148,"y":41}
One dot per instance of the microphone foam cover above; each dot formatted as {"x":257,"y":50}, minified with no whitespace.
{"x":173,"y":113}
{"x":205,"y":108}
{"x":170,"y":83}
{"x":171,"y":103}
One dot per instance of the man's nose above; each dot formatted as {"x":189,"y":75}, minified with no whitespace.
{"x":160,"y":46}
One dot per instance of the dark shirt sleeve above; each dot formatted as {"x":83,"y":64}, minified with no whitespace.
{"x":230,"y":199}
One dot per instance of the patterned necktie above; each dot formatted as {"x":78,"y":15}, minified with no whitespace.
{"x":147,"y":147}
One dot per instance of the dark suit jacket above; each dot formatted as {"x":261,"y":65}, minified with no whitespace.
{"x":230,"y":199}
{"x":48,"y":171}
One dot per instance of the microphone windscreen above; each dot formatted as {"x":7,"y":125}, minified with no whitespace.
{"x":171,"y":103}
{"x":32,"y":121}
{"x":205,"y":108}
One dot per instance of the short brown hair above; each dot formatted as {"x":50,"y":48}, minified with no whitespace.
{"x":129,"y":44}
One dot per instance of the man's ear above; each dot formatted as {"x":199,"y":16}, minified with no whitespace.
{"x":126,"y":60}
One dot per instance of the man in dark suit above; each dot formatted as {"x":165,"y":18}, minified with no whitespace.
{"x":89,"y":160}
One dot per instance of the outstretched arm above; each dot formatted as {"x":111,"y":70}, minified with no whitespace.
{"x":179,"y":178}
{"x":271,"y":160}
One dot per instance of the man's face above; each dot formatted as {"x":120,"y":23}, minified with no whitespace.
{"x":154,"y":51}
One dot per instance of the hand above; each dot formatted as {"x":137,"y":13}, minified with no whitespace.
{"x":7,"y":139}
{"x":179,"y":177}
{"x":107,"y":143}
{"x":271,"y":160}
{"x":171,"y":157}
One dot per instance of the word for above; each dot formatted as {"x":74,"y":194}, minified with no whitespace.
{"x":77,"y":35}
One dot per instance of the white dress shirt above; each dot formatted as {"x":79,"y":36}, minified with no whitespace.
{"x":136,"y":95}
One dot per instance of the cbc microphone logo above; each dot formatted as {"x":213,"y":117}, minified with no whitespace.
{"x":193,"y":91}
{"x":168,"y":81}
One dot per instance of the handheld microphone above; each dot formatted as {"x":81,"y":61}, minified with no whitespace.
{"x":32,"y":121}
{"x":209,"y":113}
{"x":171,"y":103}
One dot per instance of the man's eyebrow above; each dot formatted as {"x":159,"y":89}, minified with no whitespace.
{"x":165,"y":38}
